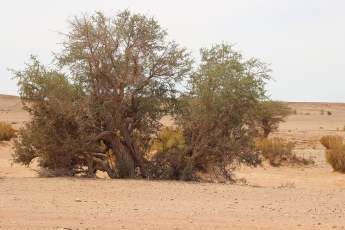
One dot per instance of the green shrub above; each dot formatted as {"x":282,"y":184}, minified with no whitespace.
{"x":6,"y":131}
{"x":335,"y":151}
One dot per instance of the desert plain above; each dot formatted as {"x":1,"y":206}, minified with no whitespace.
{"x":286,"y":197}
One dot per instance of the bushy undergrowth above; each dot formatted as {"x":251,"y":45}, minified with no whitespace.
{"x":335,"y":151}
{"x":6,"y":131}
{"x":280,"y":152}
{"x":165,"y":162}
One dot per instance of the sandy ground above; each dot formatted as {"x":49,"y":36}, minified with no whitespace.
{"x":310,"y":197}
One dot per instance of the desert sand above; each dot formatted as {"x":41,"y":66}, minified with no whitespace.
{"x":289,"y":197}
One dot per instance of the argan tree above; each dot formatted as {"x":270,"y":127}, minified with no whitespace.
{"x":100,"y":107}
{"x":58,"y":129}
{"x":270,"y":114}
{"x":217,"y":114}
{"x":125,"y":69}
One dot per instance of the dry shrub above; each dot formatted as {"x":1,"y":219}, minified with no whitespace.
{"x":287,"y":185}
{"x":328,"y":140}
{"x":165,"y":163}
{"x":169,"y":138}
{"x":6,"y":131}
{"x":335,"y":151}
{"x":59,"y":172}
{"x":280,"y":152}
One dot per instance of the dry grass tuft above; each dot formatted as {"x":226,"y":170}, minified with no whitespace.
{"x":6,"y":131}
{"x":335,"y":151}
{"x":280,"y":152}
{"x":329,"y":140}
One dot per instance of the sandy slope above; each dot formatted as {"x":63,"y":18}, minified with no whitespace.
{"x":274,"y":198}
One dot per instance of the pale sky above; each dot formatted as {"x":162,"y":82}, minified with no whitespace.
{"x":303,"y":40}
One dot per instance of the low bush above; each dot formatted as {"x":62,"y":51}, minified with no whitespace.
{"x":165,"y":162}
{"x":335,"y":151}
{"x":6,"y":131}
{"x":274,"y":149}
{"x":280,"y":152}
{"x":329,"y":140}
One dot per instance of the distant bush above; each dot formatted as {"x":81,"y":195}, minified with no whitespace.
{"x":329,"y":113}
{"x":6,"y":131}
{"x":335,"y":151}
{"x":280,"y":152}
{"x":344,"y":128}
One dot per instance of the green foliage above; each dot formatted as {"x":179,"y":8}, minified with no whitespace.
{"x":270,"y":114}
{"x":335,"y":151}
{"x":218,"y":111}
{"x":6,"y":131}
{"x":120,"y":79}
{"x":120,"y":76}
{"x":55,"y":133}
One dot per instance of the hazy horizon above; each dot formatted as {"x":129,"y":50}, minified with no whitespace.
{"x":302,"y":40}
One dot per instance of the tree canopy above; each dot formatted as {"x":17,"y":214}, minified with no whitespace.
{"x":270,"y":114}
{"x":101,"y":105}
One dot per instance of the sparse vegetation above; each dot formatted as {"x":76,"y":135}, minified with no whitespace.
{"x":270,"y":114}
{"x":328,"y":140}
{"x":6,"y":131}
{"x":280,"y":152}
{"x":313,"y":142}
{"x":329,"y":113}
{"x":287,"y":185}
{"x":322,"y":112}
{"x":120,"y":77}
{"x":335,"y":151}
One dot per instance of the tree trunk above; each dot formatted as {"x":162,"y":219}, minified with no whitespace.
{"x":105,"y":166}
{"x":90,"y":166}
{"x":266,"y":133}
{"x":134,"y":151}
{"x":124,"y":160}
